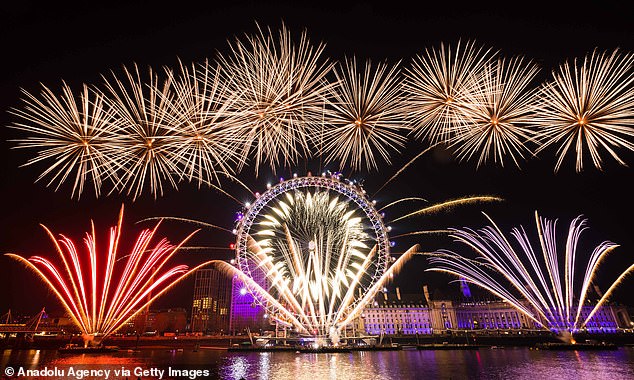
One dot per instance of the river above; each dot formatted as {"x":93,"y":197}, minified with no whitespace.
{"x":207,"y":363}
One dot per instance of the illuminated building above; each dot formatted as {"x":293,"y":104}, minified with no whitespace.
{"x":396,"y":315}
{"x":410,"y":314}
{"x":212,"y":300}
{"x":156,"y":322}
{"x":490,"y":315}
{"x":246,"y":311}
{"x":222,"y":304}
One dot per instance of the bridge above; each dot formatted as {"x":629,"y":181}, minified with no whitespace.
{"x":30,"y":327}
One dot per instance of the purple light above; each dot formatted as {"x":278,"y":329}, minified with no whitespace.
{"x":464,"y":287}
{"x":245,"y":309}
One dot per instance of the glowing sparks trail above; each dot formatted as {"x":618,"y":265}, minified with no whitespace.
{"x":100,"y":295}
{"x":589,"y":105}
{"x":400,"y":201}
{"x":449,"y":205}
{"x":365,"y":117}
{"x":541,"y":286}
{"x":402,"y":169}
{"x":191,"y":221}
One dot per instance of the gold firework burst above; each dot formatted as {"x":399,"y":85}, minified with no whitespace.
{"x":438,"y":83}
{"x":366,"y":115}
{"x":500,"y":115}
{"x":73,"y":131}
{"x":279,"y":93}
{"x":197,"y":116}
{"x":589,"y":104}
{"x":142,"y":133}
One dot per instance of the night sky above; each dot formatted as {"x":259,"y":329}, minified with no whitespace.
{"x":50,"y":43}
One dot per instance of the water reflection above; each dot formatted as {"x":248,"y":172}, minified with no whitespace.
{"x":36,"y":358}
{"x":516,"y":363}
{"x":238,"y":368}
{"x":265,"y":365}
{"x":509,"y":363}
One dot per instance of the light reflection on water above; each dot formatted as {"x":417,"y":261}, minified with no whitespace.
{"x":508,"y":363}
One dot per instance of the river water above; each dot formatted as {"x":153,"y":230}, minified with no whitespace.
{"x":484,"y":363}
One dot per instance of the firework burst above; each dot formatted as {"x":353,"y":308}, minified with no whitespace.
{"x":437,"y":85}
{"x":589,"y":105}
{"x":101,"y":296}
{"x":500,"y":116}
{"x":75,"y":132}
{"x":197,"y":116}
{"x":279,"y":92}
{"x":541,"y":286}
{"x":320,"y":245}
{"x":366,"y":115}
{"x":142,"y":131}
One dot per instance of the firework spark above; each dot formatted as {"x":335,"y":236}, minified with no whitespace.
{"x":279,"y":92}
{"x":101,"y":296}
{"x":268,"y":101}
{"x":314,"y":250}
{"x":366,"y":115}
{"x":499,"y":116}
{"x":75,"y":133}
{"x":438,"y":84}
{"x":548,"y":291}
{"x":589,"y":104}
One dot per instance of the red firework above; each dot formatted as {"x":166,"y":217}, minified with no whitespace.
{"x":102,"y":295}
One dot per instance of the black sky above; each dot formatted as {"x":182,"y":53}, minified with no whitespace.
{"x":52,"y":42}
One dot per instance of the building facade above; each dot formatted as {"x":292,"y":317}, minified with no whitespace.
{"x":409,"y":315}
{"x":173,"y":320}
{"x":247,"y":312}
{"x":212,"y":302}
{"x":396,"y":315}
{"x":490,"y":315}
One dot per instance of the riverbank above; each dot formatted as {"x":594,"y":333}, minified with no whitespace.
{"x":469,"y":339}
